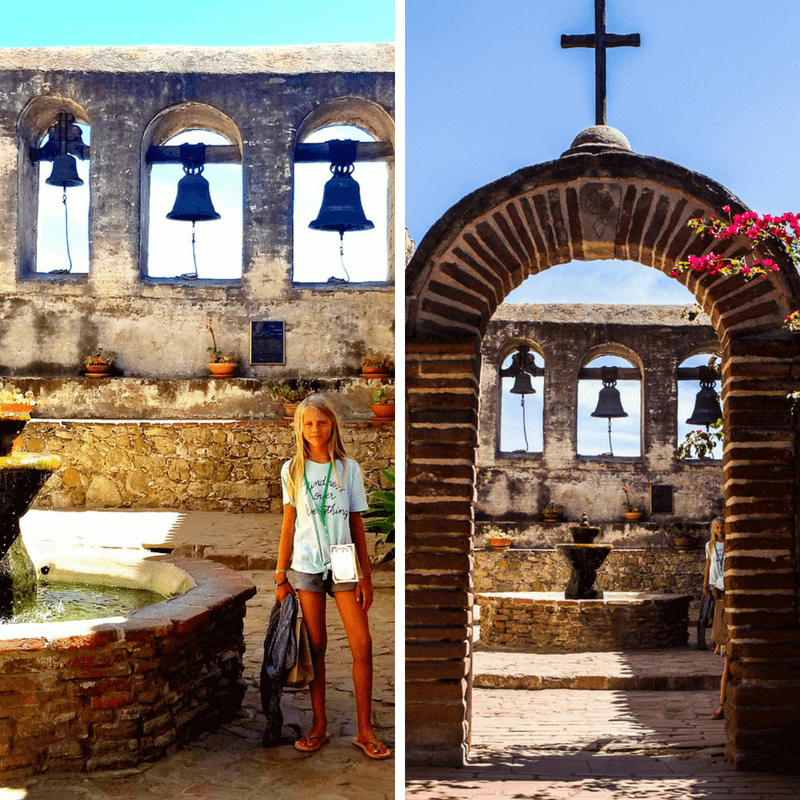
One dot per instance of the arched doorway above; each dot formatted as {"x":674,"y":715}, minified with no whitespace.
{"x":598,"y":201}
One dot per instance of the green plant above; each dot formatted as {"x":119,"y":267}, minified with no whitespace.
{"x":700,"y":444}
{"x":100,"y":356}
{"x":382,"y":397}
{"x":291,"y":391}
{"x":553,"y":508}
{"x":682,"y":530}
{"x":372,"y":359}
{"x":215,"y":355}
{"x":380,"y":517}
{"x":13,"y":396}
{"x":626,"y":503}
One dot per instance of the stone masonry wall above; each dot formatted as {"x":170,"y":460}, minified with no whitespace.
{"x":96,"y":695}
{"x":656,"y":571}
{"x":191,"y":466}
{"x":537,"y":623}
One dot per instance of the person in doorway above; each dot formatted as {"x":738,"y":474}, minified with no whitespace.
{"x":713,"y":581}
{"x":323,"y":497}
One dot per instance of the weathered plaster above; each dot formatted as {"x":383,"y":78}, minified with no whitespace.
{"x":132,"y":97}
{"x":515,"y":487}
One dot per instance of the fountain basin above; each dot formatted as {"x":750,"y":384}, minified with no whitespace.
{"x":542,"y":622}
{"x":111,"y":693}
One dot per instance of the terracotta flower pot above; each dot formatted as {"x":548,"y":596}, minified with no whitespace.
{"x":15,"y":408}
{"x":383,"y":411}
{"x":633,"y":516}
{"x":98,"y":370}
{"x":552,"y":517}
{"x":223,"y":369}
{"x":372,"y":371}
{"x":289,"y":410}
{"x":684,"y":543}
{"x":499,"y":543}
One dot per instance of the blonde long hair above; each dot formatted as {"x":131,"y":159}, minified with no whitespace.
{"x":336,"y":449}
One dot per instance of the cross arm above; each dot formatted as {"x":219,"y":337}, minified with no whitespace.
{"x":569,"y":40}
{"x":623,"y":40}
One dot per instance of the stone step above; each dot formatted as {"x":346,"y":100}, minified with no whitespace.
{"x":672,"y":669}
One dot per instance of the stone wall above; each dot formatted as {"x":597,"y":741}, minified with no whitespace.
{"x":652,"y":571}
{"x":264,"y":100}
{"x":545,"y":623}
{"x":191,"y":466}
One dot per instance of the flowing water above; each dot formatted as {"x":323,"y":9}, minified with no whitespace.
{"x":56,"y":602}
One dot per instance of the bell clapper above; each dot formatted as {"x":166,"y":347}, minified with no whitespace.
{"x":191,"y":276}
{"x":341,"y":256}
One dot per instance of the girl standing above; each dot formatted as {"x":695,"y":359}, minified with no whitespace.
{"x":323,"y":497}
{"x":713,"y":581}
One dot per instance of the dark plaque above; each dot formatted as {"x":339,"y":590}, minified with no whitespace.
{"x":661,"y":500}
{"x":267,"y":342}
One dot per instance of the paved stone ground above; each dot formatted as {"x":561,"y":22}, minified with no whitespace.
{"x":230,"y":763}
{"x":598,"y":726}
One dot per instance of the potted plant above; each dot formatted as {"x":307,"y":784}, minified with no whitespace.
{"x":633,"y":513}
{"x":290,"y":393}
{"x":99,"y":363}
{"x":221,"y":365}
{"x":382,"y":404}
{"x":13,"y":401}
{"x":381,"y":518}
{"x":552,"y":512}
{"x":499,"y":540}
{"x":15,"y":410}
{"x":376,"y":365}
{"x":684,"y":536}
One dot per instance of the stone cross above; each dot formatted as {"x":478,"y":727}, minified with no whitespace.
{"x":600,"y":40}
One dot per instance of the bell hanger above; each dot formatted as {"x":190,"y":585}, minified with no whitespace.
{"x":193,"y":200}
{"x":609,"y":403}
{"x":341,"y":208}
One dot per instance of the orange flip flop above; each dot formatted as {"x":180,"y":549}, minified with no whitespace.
{"x":310,"y":744}
{"x":376,"y":750}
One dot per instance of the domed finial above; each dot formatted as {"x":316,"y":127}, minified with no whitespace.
{"x":584,"y":521}
{"x":599,"y":139}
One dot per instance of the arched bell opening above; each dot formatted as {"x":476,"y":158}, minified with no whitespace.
{"x":54,"y":193}
{"x":520,"y":430}
{"x":610,"y":403}
{"x":342,"y":253}
{"x":200,"y":243}
{"x":699,"y":407}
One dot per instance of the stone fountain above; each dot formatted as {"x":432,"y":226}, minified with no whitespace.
{"x":584,"y":558}
{"x":22,"y":475}
{"x":109,"y":693}
{"x":582,"y":618}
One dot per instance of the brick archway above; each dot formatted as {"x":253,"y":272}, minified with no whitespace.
{"x":586,"y":206}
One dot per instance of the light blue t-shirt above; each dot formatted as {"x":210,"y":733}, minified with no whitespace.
{"x":312,"y":538}
{"x":715,"y":551}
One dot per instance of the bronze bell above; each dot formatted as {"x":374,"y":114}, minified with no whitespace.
{"x":522,"y":384}
{"x":609,"y":403}
{"x":65,"y":172}
{"x":706,"y":405}
{"x":341,"y":208}
{"x":193,"y":201}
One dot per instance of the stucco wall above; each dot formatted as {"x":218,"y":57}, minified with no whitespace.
{"x":48,"y":323}
{"x":514,"y":487}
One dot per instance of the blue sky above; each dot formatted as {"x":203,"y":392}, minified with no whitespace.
{"x":197,"y":22}
{"x":489,"y":90}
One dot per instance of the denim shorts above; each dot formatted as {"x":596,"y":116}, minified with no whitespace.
{"x":317,"y":582}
